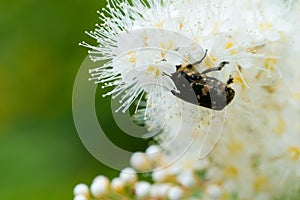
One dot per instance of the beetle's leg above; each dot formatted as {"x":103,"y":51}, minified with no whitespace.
{"x":165,"y":74}
{"x":200,"y":61}
{"x":220,"y":67}
{"x":230,"y":80}
{"x":174,"y":92}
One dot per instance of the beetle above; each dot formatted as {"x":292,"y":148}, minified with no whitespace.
{"x":199,"y":88}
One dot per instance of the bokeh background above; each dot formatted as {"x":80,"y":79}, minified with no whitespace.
{"x":41,"y":155}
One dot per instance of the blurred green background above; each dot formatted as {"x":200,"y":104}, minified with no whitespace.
{"x":41,"y":156}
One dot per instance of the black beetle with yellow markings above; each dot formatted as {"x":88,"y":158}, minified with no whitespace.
{"x":200,"y":89}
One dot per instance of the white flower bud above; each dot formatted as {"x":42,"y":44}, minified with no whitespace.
{"x":99,"y":186}
{"x":140,"y":161}
{"x":128,"y":175}
{"x":154,"y":191}
{"x":186,"y":178}
{"x":154,"y":153}
{"x":81,"y":189}
{"x":142,"y":189}
{"x":80,"y":197}
{"x":160,"y":175}
{"x":175,"y":193}
{"x":214,"y":191}
{"x":162,"y":190}
{"x":174,"y":169}
{"x":117,"y":184}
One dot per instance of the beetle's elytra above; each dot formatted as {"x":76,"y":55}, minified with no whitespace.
{"x":200,"y":89}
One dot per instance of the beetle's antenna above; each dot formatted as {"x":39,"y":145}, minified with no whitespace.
{"x":200,"y":61}
{"x":220,"y":67}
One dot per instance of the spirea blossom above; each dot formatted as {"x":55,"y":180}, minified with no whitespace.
{"x":249,"y":150}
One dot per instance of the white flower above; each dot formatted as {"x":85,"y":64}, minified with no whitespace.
{"x":186,"y":178}
{"x":81,"y":189}
{"x":175,"y":193}
{"x":258,"y":154}
{"x":159,"y":190}
{"x":118,"y":184}
{"x":128,"y":175}
{"x":140,"y":161}
{"x":142,"y":189}
{"x":160,"y":175}
{"x":80,"y":197}
{"x":153,"y":152}
{"x":214,"y":191}
{"x":100,"y":186}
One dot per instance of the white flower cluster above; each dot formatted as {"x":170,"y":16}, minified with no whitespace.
{"x":258,"y":153}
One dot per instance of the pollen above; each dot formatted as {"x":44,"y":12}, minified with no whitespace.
{"x":260,"y":183}
{"x":163,"y":54}
{"x":180,"y":25}
{"x":216,"y":27}
{"x":209,"y":62}
{"x":283,"y":36}
{"x":169,"y":45}
{"x":153,"y":69}
{"x":265,"y":26}
{"x":232,"y":52}
{"x":235,"y":147}
{"x":294,"y":153}
{"x":189,"y":164}
{"x":296,"y":95}
{"x":160,"y":24}
{"x":229,"y":45}
{"x":270,"y":63}
{"x":269,"y":89}
{"x":213,"y":58}
{"x":238,"y":79}
{"x":280,"y":128}
{"x":252,"y":50}
{"x":231,"y":171}
{"x":145,"y":41}
{"x":132,"y":57}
